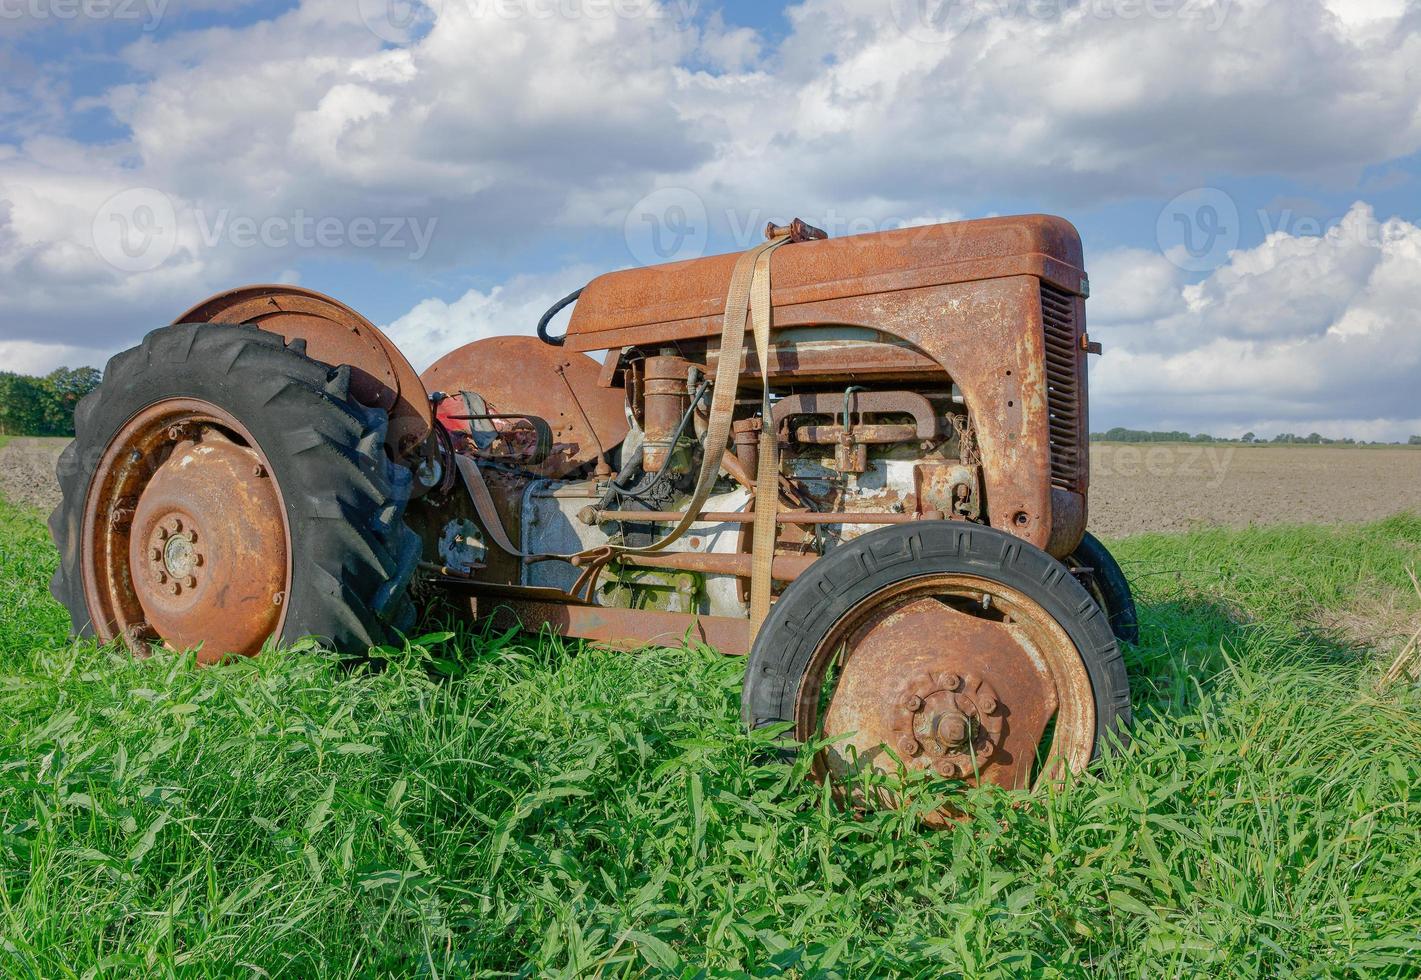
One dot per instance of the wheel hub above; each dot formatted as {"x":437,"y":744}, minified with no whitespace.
{"x":955,"y":678}
{"x":208,"y":548}
{"x":955,"y":723}
{"x":180,"y":556}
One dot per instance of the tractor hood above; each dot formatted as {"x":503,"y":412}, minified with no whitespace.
{"x":686,"y":300}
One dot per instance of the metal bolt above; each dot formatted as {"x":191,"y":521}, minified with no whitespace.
{"x":909,"y":746}
{"x":278,"y":598}
{"x":175,"y":525}
{"x":950,"y":728}
{"x":190,"y":582}
{"x":162,"y":534}
{"x":913,"y":703}
{"x":160,"y":577}
{"x":175,"y":588}
{"x":259,"y":471}
{"x":197,"y":560}
{"x":134,"y":456}
{"x":154,"y":554}
{"x":948,"y":769}
{"x":987,"y":703}
{"x":985,"y":752}
{"x":175,"y":432}
{"x":954,"y":682}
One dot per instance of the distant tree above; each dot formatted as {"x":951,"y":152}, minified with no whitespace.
{"x":1414,"y":441}
{"x":66,"y":388}
{"x":43,"y":406}
{"x":1249,"y":437}
{"x":24,"y":403}
{"x":1314,"y":438}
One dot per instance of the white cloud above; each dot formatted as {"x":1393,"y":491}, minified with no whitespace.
{"x":1283,"y":337}
{"x":28,"y":357}
{"x":433,"y":327}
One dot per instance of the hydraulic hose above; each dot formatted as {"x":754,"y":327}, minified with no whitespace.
{"x":556,"y":308}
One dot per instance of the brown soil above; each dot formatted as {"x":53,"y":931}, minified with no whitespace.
{"x":27,"y":472}
{"x":1134,"y":488}
{"x":1164,"y":487}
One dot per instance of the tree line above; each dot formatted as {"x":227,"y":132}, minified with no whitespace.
{"x":31,"y":406}
{"x":1121,"y":434}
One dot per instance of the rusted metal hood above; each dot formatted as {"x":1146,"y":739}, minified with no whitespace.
{"x":684,"y":299}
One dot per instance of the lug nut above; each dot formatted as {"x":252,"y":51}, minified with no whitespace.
{"x":160,"y":577}
{"x":175,"y":589}
{"x":163,"y":534}
{"x":913,"y":703}
{"x":948,"y":769}
{"x":987,"y":703}
{"x":190,"y":582}
{"x":175,"y":525}
{"x":909,"y":746}
{"x":155,"y":554}
{"x":954,"y":682}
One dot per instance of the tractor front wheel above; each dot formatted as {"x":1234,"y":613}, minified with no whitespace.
{"x":224,"y":490}
{"x":942,"y":646}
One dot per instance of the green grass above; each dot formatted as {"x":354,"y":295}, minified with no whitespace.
{"x":4,"y":439}
{"x":488,"y":806}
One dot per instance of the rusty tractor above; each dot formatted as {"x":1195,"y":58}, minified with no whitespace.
{"x":860,"y":461}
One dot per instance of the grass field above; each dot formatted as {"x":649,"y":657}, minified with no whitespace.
{"x":492,"y":805}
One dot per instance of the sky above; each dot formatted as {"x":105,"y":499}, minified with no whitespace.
{"x":1245,"y":174}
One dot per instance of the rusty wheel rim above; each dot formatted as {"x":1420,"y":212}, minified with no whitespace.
{"x":957,"y":674}
{"x":185,"y":538}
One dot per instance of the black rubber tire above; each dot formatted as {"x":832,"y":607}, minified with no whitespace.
{"x":811,"y":605}
{"x":1109,"y":587}
{"x":352,"y":554}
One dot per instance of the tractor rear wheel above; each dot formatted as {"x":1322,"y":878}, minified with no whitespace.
{"x":223,"y":489}
{"x":947,"y":646}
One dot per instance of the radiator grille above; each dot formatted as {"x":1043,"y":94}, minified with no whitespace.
{"x":1063,"y":386}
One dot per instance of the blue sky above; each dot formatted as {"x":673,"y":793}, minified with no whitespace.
{"x":448,"y":167}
